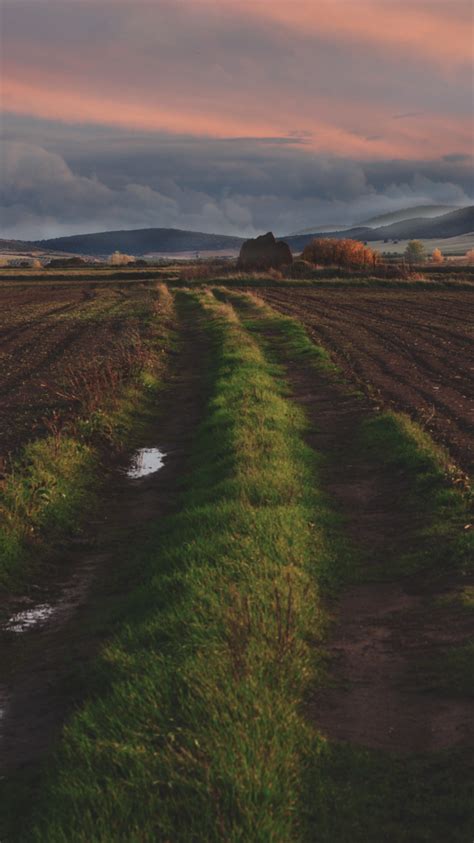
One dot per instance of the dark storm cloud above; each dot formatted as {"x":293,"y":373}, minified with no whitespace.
{"x":61,"y":179}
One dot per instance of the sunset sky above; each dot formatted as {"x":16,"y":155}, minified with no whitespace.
{"x":232,"y":116}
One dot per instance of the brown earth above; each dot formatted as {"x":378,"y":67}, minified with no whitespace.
{"x":409,"y":350}
{"x":48,"y":337}
{"x":40,"y":668}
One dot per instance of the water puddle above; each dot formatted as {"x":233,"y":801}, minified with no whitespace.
{"x":29,"y":618}
{"x":145,"y":461}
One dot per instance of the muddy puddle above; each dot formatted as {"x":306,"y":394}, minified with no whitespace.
{"x":29,"y":618}
{"x":145,"y":461}
{"x":67,"y":597}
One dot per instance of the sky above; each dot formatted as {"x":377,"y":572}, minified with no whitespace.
{"x":231,"y":116}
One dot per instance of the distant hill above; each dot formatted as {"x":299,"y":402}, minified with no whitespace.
{"x":448,"y":225}
{"x":173,"y":240}
{"x":328,"y":229}
{"x":16,"y":246}
{"x":141,"y":242}
{"x":417,"y":212}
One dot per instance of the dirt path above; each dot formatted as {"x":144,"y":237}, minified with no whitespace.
{"x":40,"y":661}
{"x":385,"y":633}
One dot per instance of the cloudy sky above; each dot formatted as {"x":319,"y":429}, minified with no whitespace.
{"x":232,"y":116}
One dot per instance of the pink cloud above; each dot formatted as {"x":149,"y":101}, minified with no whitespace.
{"x":77,"y":104}
{"x":440,"y":30}
{"x":257,"y":68}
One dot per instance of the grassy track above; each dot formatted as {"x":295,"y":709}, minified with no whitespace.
{"x":353,"y":793}
{"x":196,"y":732}
{"x":53,"y":480}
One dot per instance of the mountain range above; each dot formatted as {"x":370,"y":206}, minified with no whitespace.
{"x":452,"y":224}
{"x":415,"y":212}
{"x":172,"y":240}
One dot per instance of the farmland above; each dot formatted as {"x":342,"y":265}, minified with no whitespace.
{"x":46,"y":336}
{"x":268,"y":638}
{"x":410,"y":351}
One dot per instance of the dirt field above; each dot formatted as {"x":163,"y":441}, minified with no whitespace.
{"x":450,"y":246}
{"x":53,"y":342}
{"x":411,"y":350}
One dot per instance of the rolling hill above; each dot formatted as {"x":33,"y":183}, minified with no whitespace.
{"x":141,"y":241}
{"x":173,"y":240}
{"x":417,"y":212}
{"x":452,"y":224}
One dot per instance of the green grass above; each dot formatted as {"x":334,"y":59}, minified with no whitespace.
{"x":327,"y":280}
{"x":51,"y":484}
{"x":293,"y":340}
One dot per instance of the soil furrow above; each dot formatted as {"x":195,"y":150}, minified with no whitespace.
{"x":381,"y":312}
{"x":438,"y":399}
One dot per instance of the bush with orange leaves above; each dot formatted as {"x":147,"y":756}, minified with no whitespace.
{"x":437,"y":256}
{"x":327,"y":251}
{"x":470,"y":257}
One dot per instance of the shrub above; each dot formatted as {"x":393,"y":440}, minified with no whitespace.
{"x":415,"y":252}
{"x":470,"y":257}
{"x":117,"y":259}
{"x":328,"y":251}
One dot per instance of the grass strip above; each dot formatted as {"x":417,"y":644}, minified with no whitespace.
{"x":321,"y":282}
{"x":53,"y":481}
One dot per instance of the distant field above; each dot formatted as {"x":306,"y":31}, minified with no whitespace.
{"x":451,"y":246}
{"x":413,"y":349}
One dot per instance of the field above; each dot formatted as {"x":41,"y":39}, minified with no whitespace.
{"x":268,"y":636}
{"x":46,"y":335}
{"x":450,"y":246}
{"x":410,"y":351}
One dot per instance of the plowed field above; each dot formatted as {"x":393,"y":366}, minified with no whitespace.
{"x":411,"y":350}
{"x":53,"y":341}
